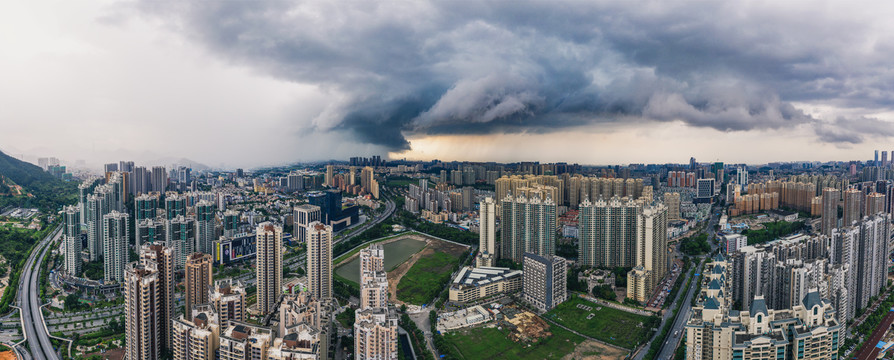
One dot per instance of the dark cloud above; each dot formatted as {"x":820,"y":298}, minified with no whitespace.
{"x":483,"y":67}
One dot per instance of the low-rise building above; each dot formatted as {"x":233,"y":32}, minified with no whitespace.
{"x":472,"y":284}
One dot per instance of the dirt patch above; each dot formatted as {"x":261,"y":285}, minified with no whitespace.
{"x":592,"y":350}
{"x":431,"y":246}
{"x":8,"y":355}
{"x":114,"y":354}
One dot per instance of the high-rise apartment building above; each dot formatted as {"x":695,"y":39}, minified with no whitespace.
{"x":161,"y":259}
{"x":874,"y":204}
{"x":319,"y":260}
{"x":228,"y":298}
{"x":204,"y":226}
{"x":180,"y":235}
{"x":830,"y":210}
{"x":651,"y":253}
{"x":373,"y":280}
{"x":528,"y":225}
{"x":198,"y":280}
{"x":142,"y":180}
{"x":175,"y":205}
{"x":672,"y":201}
{"x":544,"y":281}
{"x":150,"y":231}
{"x":71,"y":238}
{"x":487,"y":233}
{"x":609,"y":232}
{"x":115,"y":242}
{"x":375,"y":328}
{"x":268,"y":241}
{"x":143,"y":321}
{"x":853,"y":206}
{"x":303,"y":215}
{"x":243,"y":341}
{"x":196,"y":334}
{"x":330,"y":174}
{"x":368,"y":181}
{"x":159,"y":177}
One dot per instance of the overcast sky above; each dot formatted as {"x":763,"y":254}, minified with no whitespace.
{"x":230,"y":83}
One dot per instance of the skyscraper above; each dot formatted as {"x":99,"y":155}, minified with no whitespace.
{"x":303,"y":215}
{"x":269,"y":266}
{"x":319,"y":260}
{"x":198,"y":280}
{"x":486,"y":233}
{"x":142,"y":180}
{"x":97,"y":207}
{"x":116,"y":239}
{"x":71,"y":238}
{"x":231,"y":219}
{"x":672,"y":201}
{"x":373,"y":280}
{"x":529,"y":225}
{"x":830,"y":210}
{"x":143,"y":322}
{"x":204,"y":226}
{"x":375,"y":328}
{"x":161,"y":260}
{"x":544,"y":281}
{"x":150,"y":231}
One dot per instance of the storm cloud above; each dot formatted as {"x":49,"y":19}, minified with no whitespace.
{"x":398,"y":69}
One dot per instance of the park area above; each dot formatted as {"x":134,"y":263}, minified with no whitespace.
{"x":610,"y":325}
{"x":397,"y":251}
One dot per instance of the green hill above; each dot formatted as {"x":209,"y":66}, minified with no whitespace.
{"x":49,"y":192}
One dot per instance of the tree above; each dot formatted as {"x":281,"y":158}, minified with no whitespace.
{"x":605,"y":292}
{"x":72,"y":301}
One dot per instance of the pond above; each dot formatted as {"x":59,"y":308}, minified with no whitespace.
{"x":396,"y":253}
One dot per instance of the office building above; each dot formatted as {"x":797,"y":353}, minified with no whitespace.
{"x":319,"y":260}
{"x":544,"y":281}
{"x":528,"y":225}
{"x":116,"y":239}
{"x":705,"y":190}
{"x":143,"y":317}
{"x":196,"y":334}
{"x":180,"y":235}
{"x":205,"y":232}
{"x":269,"y":266}
{"x":161,"y":259}
{"x":830,"y":210}
{"x":71,"y":239}
{"x":303,"y":215}
{"x":487,"y":233}
{"x":198,"y":280}
{"x":228,"y":298}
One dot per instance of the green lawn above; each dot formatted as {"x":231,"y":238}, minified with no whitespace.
{"x":490,"y":343}
{"x":428,"y":276}
{"x":610,"y":325}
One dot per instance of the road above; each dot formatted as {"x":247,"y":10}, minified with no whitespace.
{"x":667,"y":352}
{"x":39,"y":344}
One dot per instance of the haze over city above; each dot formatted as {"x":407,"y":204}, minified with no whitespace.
{"x":249,"y":84}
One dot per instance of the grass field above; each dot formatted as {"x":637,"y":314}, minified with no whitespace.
{"x":490,"y":343}
{"x":428,"y":276}
{"x":613,"y":326}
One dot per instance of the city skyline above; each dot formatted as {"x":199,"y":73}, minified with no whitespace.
{"x":613,"y":82}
